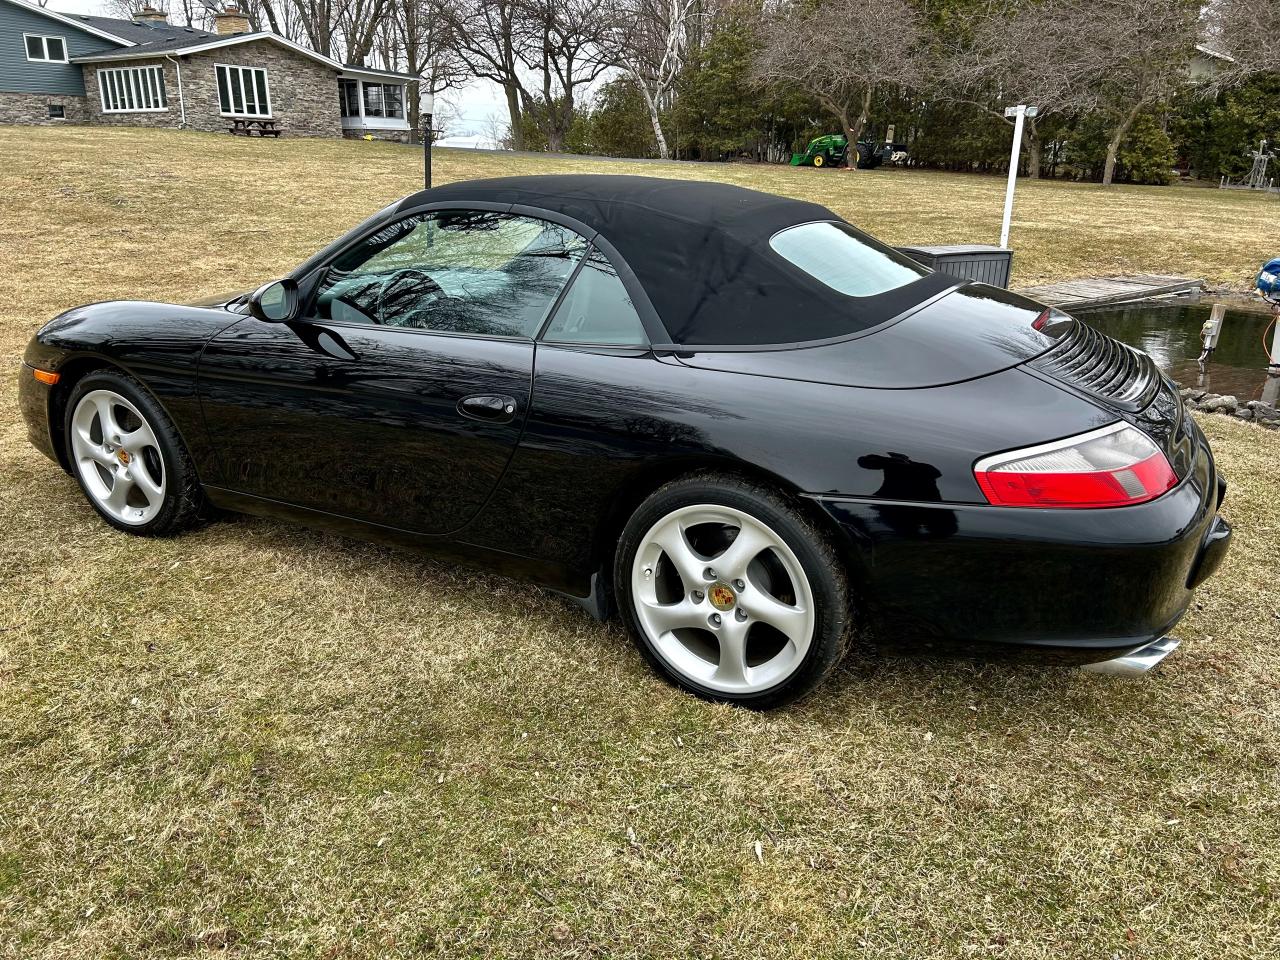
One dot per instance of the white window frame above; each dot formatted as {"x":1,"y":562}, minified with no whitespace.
{"x":266,"y":85}
{"x":382,"y":99}
{"x":125,"y":86}
{"x":342,"y":100}
{"x":362,"y":120}
{"x":44,"y":39}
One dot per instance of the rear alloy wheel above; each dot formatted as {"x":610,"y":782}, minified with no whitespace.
{"x":127,"y":456}
{"x":730,"y":593}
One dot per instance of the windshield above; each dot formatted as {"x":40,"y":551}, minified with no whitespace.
{"x":836,"y":255}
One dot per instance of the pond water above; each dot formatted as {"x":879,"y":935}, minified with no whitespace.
{"x":1171,"y":334}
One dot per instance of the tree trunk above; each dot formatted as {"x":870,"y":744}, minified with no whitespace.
{"x":663,"y":151}
{"x":513,"y":111}
{"x":1033,"y":151}
{"x":1117,"y":138}
{"x":271,"y":16}
{"x":853,"y":130}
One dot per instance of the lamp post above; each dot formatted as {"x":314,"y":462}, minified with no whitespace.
{"x":1018,"y":114}
{"x":426,"y":106}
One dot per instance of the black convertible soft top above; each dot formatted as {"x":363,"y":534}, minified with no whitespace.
{"x":701,"y":252}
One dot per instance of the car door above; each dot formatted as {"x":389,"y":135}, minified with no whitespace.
{"x":398,"y":396}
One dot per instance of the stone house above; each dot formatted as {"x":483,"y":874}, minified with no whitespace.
{"x":73,"y":68}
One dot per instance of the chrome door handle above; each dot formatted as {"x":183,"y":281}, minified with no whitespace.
{"x":489,"y":407}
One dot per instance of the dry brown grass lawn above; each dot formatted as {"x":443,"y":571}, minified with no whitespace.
{"x":261,"y":741}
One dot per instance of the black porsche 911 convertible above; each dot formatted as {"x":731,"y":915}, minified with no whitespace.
{"x":732,"y":417}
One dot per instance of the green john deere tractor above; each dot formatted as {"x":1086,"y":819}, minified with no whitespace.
{"x":830,"y":151}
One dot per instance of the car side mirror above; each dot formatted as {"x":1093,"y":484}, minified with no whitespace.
{"x":275,"y":302}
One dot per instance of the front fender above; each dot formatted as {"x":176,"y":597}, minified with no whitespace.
{"x":159,"y":344}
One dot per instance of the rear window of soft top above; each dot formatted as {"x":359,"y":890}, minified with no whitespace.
{"x":848,"y":262}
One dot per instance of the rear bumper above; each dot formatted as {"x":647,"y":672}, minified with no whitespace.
{"x":1075,"y":586}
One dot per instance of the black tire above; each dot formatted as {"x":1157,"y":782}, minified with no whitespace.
{"x":825,"y":573}
{"x":183,"y":502}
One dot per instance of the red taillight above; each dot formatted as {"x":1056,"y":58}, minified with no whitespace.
{"x":1112,"y":467}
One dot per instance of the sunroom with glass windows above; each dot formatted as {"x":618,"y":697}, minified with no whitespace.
{"x":373,"y":102}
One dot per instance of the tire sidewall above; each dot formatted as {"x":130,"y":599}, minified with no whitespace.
{"x":826,"y":582}
{"x":167,"y":516}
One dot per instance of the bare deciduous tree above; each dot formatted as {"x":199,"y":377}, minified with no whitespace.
{"x":1017,"y":51}
{"x":1248,"y":32}
{"x":1138,"y":52}
{"x":415,"y":37}
{"x":566,"y":39}
{"x":489,"y":39}
{"x":358,"y":22}
{"x":647,"y":39}
{"x":281,"y":17}
{"x":841,"y":51}
{"x":1114,"y":57}
{"x":319,"y":21}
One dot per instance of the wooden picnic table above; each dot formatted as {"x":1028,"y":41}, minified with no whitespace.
{"x":250,"y":127}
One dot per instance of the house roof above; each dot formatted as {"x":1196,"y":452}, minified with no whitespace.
{"x":138,"y":33}
{"x":140,"y":41}
{"x":127,"y":33}
{"x":355,"y":69}
{"x":1214,"y":54}
{"x":153,"y":48}
{"x":182,"y":44}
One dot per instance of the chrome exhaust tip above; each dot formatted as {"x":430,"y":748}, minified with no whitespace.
{"x":1136,"y":662}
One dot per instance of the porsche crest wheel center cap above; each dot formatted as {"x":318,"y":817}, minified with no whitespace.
{"x":123,"y":456}
{"x":722,"y":596}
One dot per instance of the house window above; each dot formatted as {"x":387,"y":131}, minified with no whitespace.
{"x":243,"y":92}
{"x":349,"y":98}
{"x":384,"y":100}
{"x":57,"y":111}
{"x":132,"y":89}
{"x":50,"y":49}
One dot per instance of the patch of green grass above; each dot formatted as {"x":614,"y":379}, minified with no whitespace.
{"x":257,"y":740}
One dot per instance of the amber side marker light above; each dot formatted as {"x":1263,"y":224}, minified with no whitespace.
{"x":45,"y":376}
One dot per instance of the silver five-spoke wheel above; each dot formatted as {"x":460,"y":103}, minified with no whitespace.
{"x":722,"y":599}
{"x":118,"y":457}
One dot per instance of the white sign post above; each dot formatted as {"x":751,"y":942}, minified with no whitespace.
{"x":1019,"y":114}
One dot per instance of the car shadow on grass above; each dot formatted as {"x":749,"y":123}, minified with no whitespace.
{"x":941,"y":685}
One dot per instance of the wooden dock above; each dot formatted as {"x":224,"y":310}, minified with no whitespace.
{"x":1100,"y":291}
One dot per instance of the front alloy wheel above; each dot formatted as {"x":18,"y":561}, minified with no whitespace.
{"x":128,"y":457}
{"x":117,"y":457}
{"x":732,"y":594}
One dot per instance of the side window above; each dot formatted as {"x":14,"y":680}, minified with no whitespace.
{"x":597,"y":309}
{"x":455,"y":271}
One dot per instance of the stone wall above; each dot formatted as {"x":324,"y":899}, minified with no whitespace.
{"x":359,"y":133}
{"x":303,"y":93}
{"x":33,"y":108}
